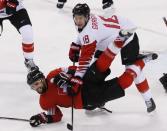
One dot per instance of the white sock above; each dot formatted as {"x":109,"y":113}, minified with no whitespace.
{"x":147,"y":95}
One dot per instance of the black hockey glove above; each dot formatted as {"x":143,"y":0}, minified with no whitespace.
{"x":124,"y":34}
{"x":163,"y":81}
{"x":38,"y":119}
{"x":11,"y":6}
{"x":61,"y":79}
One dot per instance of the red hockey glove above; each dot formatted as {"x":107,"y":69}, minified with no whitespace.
{"x":74,"y":87}
{"x":11,"y":6}
{"x":38,"y":119}
{"x":74,"y":52}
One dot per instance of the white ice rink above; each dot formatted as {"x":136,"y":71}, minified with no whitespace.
{"x":54,"y":30}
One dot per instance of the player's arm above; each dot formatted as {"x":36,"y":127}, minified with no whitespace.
{"x":87,"y":52}
{"x":85,"y":58}
{"x":74,"y":51}
{"x":53,"y":115}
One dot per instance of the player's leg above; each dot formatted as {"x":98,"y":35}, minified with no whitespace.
{"x":61,"y":3}
{"x":93,"y":81}
{"x":135,"y":73}
{"x":22,"y":23}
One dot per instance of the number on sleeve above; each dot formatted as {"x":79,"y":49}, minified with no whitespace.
{"x":111,"y":22}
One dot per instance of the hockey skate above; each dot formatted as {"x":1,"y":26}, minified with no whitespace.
{"x":93,"y":107}
{"x":150,"y":105}
{"x":30,"y":65}
{"x":91,"y":110}
{"x":147,"y":56}
{"x":60,"y":5}
{"x":107,"y":5}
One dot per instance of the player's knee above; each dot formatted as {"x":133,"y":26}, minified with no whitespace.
{"x":140,"y":63}
{"x":133,"y":72}
{"x":126,"y":79}
{"x":135,"y":69}
{"x":26,"y":33}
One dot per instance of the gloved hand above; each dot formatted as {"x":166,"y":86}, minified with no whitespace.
{"x":74,"y":52}
{"x":38,"y":119}
{"x":61,"y":79}
{"x":74,"y":86}
{"x":11,"y":6}
{"x":124,"y":34}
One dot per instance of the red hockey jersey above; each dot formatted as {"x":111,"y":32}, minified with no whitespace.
{"x":56,"y":96}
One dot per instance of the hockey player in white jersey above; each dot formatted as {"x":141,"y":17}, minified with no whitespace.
{"x":103,"y":38}
{"x":14,"y":11}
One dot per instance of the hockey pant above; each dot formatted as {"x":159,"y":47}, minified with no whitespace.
{"x":96,"y":91}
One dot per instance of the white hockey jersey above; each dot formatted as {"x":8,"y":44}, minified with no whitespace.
{"x":3,"y":8}
{"x":97,"y":35}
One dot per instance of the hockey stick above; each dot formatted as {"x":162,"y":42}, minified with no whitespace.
{"x":70,"y":126}
{"x":152,"y":31}
{"x":12,"y":118}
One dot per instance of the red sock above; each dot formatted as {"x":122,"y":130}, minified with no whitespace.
{"x":143,"y":86}
{"x":140,"y":63}
{"x":28,"y":48}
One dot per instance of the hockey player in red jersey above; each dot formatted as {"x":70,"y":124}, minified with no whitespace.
{"x":13,"y":11}
{"x":102,"y":38}
{"x":58,"y":88}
